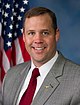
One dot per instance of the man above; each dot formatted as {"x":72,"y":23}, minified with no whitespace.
{"x":59,"y":80}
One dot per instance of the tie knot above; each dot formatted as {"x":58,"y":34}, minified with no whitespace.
{"x":35,"y":73}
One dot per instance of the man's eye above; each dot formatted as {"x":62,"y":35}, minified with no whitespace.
{"x":31,"y":33}
{"x":45,"y":33}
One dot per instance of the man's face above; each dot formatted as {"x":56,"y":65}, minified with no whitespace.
{"x":40,"y":38}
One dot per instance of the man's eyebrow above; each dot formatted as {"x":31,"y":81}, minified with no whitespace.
{"x":35,"y":30}
{"x":29,"y":30}
{"x":45,"y":30}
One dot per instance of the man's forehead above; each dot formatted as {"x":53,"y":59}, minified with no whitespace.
{"x":46,"y":15}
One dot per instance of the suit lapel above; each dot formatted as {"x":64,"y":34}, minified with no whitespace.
{"x":19,"y":83}
{"x":50,"y":83}
{"x":48,"y":86}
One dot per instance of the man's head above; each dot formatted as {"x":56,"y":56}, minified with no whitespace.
{"x":40,"y":34}
{"x":41,"y":11}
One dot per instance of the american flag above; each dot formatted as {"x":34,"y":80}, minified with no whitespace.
{"x":12,"y":49}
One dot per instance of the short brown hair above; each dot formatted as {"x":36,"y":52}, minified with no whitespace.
{"x":40,"y":11}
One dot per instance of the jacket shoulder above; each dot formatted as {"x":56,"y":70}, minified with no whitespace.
{"x":19,"y":67}
{"x":16,"y":70}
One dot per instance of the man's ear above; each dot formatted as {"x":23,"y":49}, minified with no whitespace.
{"x":57,"y":34}
{"x":23,"y":37}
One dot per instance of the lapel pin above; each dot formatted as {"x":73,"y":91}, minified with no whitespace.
{"x":47,"y":87}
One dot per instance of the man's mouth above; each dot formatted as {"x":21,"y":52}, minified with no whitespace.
{"x":39,"y":48}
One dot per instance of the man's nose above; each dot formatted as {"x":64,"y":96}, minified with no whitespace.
{"x":38,"y":38}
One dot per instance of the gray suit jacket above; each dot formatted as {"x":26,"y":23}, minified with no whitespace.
{"x":60,"y":87}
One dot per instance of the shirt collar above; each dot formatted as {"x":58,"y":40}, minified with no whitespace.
{"x":45,"y":68}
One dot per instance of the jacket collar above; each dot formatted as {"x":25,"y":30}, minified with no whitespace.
{"x":51,"y":82}
{"x":49,"y":85}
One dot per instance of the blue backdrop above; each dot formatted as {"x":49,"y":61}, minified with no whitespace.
{"x":68,"y":17}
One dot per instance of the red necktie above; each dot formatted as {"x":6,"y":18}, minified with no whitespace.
{"x":29,"y":93}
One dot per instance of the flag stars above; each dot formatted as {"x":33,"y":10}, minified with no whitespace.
{"x":12,"y":18}
{"x":15,"y":34}
{"x":6,"y":14}
{"x":25,"y":1}
{"x":22,"y":9}
{"x":12,"y":9}
{"x":15,"y":14}
{"x":19,"y":17}
{"x":17,"y":25}
{"x":21,"y":30}
{"x":7,"y":6}
{"x":2,"y":12}
{"x":8,"y":44}
{"x":2,"y":20}
{"x":11,"y":26}
{"x":5,"y":23}
{"x":10,"y":35}
{"x":16,"y":5}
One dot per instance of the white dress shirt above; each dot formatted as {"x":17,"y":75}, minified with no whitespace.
{"x":44,"y":69}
